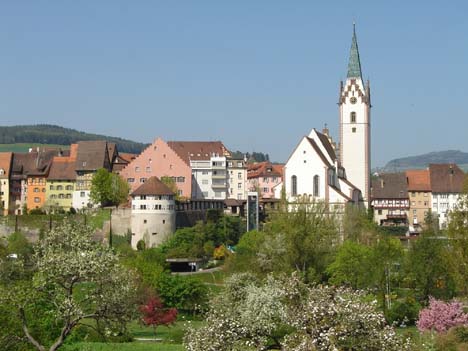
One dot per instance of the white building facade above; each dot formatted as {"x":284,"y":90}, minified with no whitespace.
{"x":312,"y":172}
{"x":153,"y":213}
{"x":237,"y":179}
{"x":210,"y":178}
{"x":355,"y":127}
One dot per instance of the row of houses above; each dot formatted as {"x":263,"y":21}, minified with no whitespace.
{"x":54,"y":178}
{"x":204,"y":170}
{"x":407,"y":198}
{"x":61,"y":178}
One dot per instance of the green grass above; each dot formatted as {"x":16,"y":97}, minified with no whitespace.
{"x":170,"y":339}
{"x":216,"y":277}
{"x":127,"y":346}
{"x":24,"y":147}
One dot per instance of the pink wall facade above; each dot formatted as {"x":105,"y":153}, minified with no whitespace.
{"x":264,"y":183}
{"x":159,"y":160}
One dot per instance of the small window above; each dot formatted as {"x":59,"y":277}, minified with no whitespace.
{"x":353,"y":117}
{"x":137,"y":169}
{"x":144,"y":221}
{"x":131,"y":180}
{"x":82,"y":194}
{"x":154,"y":233}
{"x":36,"y":200}
{"x":354,"y":130}
{"x":164,"y":221}
{"x":148,"y":169}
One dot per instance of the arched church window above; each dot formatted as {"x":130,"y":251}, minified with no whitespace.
{"x":353,"y":117}
{"x":294,"y":185}
{"x":316,"y":185}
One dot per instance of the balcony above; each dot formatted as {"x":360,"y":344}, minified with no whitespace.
{"x":219,"y":175}
{"x":219,"y":185}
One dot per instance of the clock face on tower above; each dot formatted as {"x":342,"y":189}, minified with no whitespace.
{"x":353,"y":100}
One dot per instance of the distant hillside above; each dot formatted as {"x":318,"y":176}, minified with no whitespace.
{"x":50,"y":134}
{"x":422,"y":161}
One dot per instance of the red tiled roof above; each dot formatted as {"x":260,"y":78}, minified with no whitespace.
{"x":198,"y":150}
{"x":418,"y":180}
{"x":153,"y":186}
{"x":127,"y":157}
{"x":446,"y":178}
{"x":5,"y":163}
{"x":264,"y":169}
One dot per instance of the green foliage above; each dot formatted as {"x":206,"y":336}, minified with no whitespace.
{"x":403,"y":312}
{"x":456,"y":339}
{"x":50,"y":134}
{"x":70,"y":278}
{"x":108,"y":189}
{"x":141,"y":245}
{"x":429,"y":266}
{"x":183,"y":292}
{"x":304,"y":240}
{"x":353,"y":266}
{"x":171,"y":184}
{"x":201,"y":239}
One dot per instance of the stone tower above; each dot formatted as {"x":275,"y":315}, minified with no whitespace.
{"x":354,"y":105}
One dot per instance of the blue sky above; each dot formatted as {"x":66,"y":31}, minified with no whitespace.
{"x":257,"y":75}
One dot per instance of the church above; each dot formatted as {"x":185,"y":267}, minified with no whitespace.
{"x":320,"y":170}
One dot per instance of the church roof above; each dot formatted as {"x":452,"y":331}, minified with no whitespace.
{"x":354,"y":65}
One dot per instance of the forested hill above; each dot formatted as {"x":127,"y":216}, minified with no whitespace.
{"x":422,"y":161}
{"x":51,"y":134}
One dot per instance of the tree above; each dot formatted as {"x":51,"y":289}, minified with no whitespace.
{"x":310,"y":236}
{"x":171,"y":184}
{"x":437,"y":278}
{"x":284,"y":313}
{"x":76,"y":279}
{"x":155,"y":314}
{"x":458,"y":235}
{"x":108,"y":189}
{"x":441,"y":316}
{"x":352,"y":266}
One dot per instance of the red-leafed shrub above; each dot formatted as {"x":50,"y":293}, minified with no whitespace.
{"x":155,"y":314}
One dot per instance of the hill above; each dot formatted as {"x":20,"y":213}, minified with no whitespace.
{"x":51,"y":134}
{"x":422,"y":161}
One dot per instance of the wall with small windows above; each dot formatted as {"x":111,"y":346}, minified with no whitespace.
{"x":159,"y":160}
{"x":153,"y":218}
{"x":59,"y":193}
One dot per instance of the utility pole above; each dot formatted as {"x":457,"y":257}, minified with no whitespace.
{"x":110,"y":228}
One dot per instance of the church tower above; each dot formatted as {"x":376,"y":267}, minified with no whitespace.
{"x":355,"y":104}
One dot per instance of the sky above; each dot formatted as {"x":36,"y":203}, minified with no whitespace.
{"x":257,"y":75}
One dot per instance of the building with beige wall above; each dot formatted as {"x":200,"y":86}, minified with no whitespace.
{"x":420,"y":196}
{"x":61,"y":183}
{"x":5,"y":166}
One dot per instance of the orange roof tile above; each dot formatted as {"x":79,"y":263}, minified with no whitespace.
{"x":418,"y":180}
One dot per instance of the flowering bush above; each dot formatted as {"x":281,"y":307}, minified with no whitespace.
{"x":289,"y":315}
{"x":441,"y":316}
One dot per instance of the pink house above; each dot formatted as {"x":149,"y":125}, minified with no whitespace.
{"x":265,"y":177}
{"x":159,"y":160}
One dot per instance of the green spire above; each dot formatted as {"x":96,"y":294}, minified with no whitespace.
{"x":354,"y":65}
